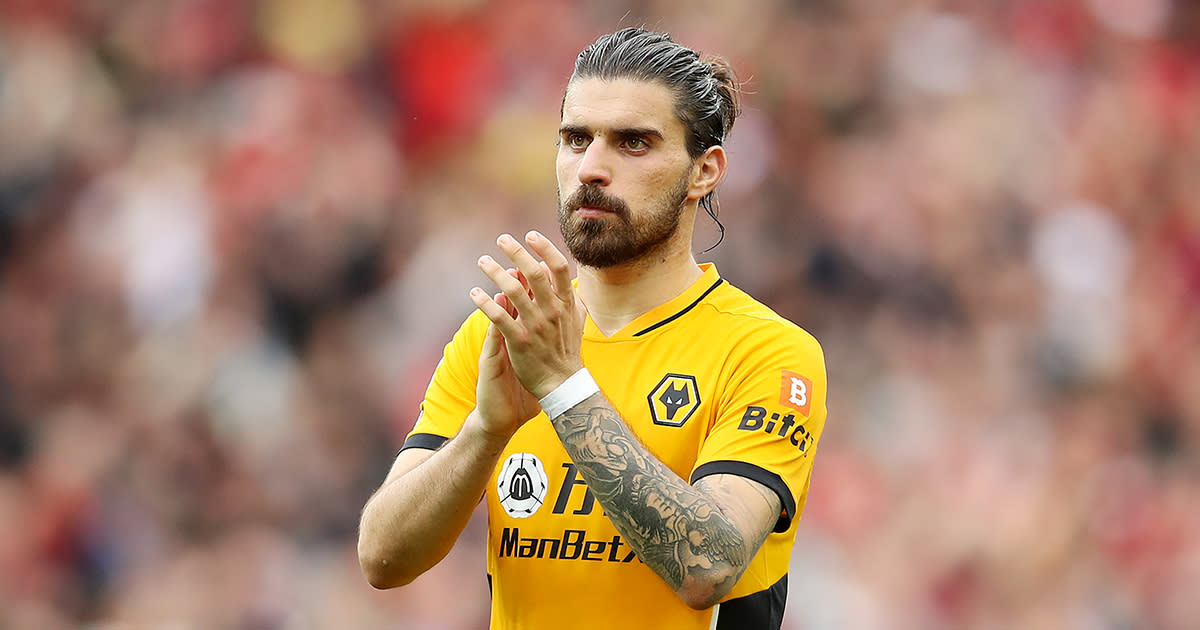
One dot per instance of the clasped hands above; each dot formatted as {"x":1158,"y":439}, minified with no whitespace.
{"x":533,"y":343}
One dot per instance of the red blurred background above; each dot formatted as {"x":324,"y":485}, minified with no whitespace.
{"x":235,"y":235}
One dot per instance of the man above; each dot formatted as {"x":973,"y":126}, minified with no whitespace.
{"x":644,"y":438}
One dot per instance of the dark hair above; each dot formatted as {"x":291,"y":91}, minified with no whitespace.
{"x":706,"y":89}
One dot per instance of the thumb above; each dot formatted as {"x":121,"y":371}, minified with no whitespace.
{"x":493,"y":344}
{"x":493,"y":359}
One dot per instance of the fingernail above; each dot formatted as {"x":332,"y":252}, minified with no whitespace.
{"x":485,"y":259}
{"x":504,"y":239}
{"x":533,"y":235}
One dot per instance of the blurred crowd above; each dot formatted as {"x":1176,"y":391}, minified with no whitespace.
{"x":234,"y":237}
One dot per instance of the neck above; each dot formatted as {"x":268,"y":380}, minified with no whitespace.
{"x":615,"y":296}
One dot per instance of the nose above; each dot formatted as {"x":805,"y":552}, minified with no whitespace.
{"x":594,"y":166}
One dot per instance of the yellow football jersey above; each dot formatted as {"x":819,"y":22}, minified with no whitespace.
{"x":711,"y":382}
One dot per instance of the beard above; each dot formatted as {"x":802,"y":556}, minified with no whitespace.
{"x":618,"y":238}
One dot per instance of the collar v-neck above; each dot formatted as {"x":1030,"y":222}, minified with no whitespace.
{"x":661,"y":315}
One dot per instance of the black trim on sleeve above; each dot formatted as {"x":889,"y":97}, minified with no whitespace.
{"x":424,"y":440}
{"x":757,"y":611}
{"x":754,"y":473}
{"x":680,"y":313}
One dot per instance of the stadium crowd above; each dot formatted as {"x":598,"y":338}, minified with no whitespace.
{"x":235,"y":235}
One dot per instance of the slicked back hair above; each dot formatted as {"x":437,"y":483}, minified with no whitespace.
{"x":705,"y":89}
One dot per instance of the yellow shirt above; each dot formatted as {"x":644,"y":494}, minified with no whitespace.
{"x":711,"y":382}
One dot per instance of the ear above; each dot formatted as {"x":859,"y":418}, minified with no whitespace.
{"x":707,"y":172}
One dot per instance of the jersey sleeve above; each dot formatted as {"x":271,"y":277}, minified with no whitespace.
{"x":450,"y":396}
{"x":770,"y":418}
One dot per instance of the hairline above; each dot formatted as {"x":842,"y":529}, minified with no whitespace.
{"x":678,"y":104}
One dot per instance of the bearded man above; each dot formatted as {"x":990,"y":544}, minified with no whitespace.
{"x":644,"y":435}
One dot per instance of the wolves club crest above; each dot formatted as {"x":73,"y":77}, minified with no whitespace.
{"x":674,"y":400}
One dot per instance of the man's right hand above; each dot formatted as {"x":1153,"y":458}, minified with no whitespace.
{"x":412,"y":521}
{"x":502,"y":403}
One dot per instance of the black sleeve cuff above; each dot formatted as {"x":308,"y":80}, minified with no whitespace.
{"x":424,"y":440}
{"x":754,"y":473}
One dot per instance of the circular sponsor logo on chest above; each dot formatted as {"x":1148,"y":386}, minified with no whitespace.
{"x":522,"y":485}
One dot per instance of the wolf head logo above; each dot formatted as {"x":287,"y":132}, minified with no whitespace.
{"x":674,"y":398}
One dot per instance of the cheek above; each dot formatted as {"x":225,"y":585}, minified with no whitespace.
{"x":658,"y":183}
{"x":566,"y":170}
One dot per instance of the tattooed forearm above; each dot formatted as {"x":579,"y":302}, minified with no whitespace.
{"x":675,"y":528}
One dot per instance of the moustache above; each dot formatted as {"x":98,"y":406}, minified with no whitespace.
{"x":591,"y":196}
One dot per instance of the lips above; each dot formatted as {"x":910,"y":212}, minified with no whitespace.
{"x":590,"y":202}
{"x":592,"y":213}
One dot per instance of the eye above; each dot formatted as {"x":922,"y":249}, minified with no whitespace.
{"x":577,"y":141}
{"x":636,"y":145}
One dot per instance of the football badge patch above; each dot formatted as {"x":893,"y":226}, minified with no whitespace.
{"x":522,"y":485}
{"x":674,"y":400}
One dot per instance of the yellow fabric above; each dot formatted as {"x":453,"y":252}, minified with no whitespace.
{"x":751,"y":369}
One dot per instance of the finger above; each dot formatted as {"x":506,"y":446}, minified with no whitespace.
{"x":505,"y":304}
{"x":516,"y":273}
{"x":535,"y":275}
{"x":581,"y":311}
{"x":498,"y":315}
{"x":555,"y":262}
{"x":517,"y":294}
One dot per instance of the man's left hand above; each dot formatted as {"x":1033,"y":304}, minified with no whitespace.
{"x":544,"y":339}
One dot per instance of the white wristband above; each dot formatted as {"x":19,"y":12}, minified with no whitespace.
{"x":577,"y":388}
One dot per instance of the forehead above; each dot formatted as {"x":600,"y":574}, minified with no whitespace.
{"x":621,"y":103}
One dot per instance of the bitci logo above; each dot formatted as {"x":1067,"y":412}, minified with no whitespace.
{"x":795,"y":391}
{"x":522,"y":485}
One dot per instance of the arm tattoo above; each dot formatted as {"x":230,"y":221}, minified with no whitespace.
{"x":674,"y":527}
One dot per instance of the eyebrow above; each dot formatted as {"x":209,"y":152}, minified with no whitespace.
{"x":622,"y":132}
